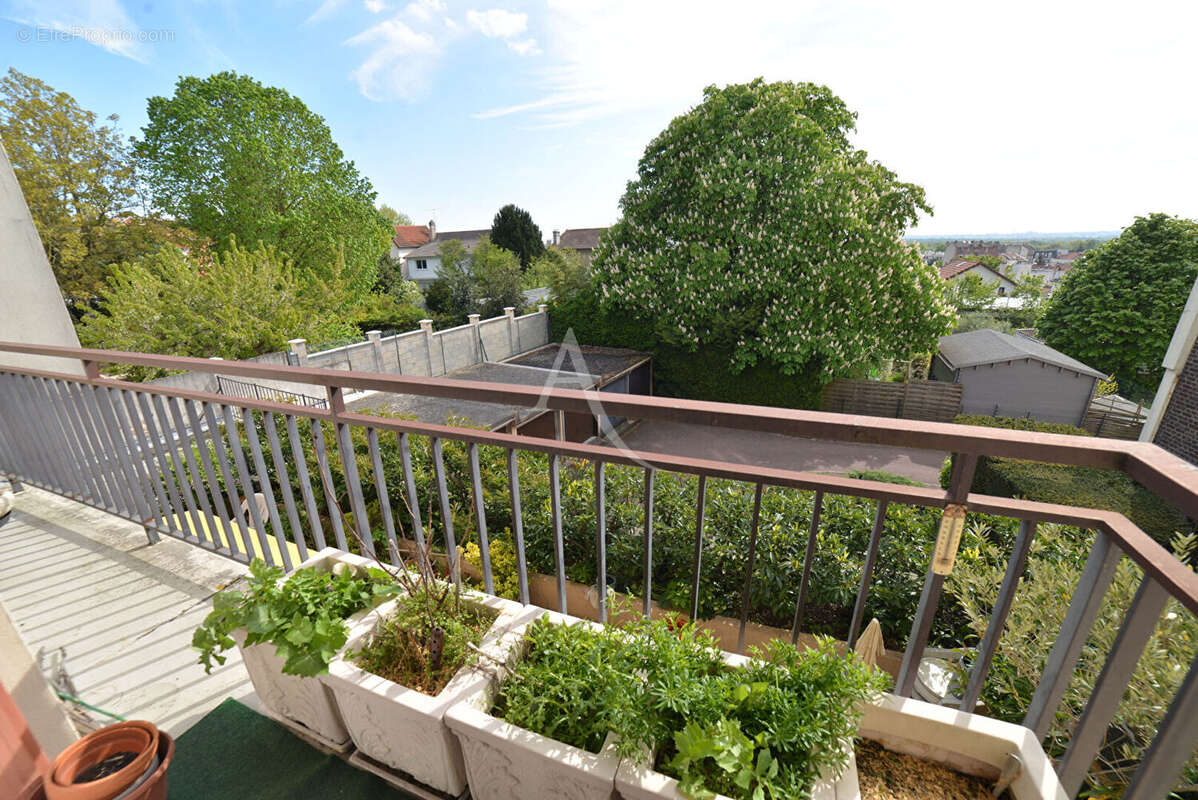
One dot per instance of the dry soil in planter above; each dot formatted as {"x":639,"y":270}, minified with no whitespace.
{"x":886,"y":775}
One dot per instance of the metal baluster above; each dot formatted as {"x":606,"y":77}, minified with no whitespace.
{"x":174,"y":443}
{"x":276,"y":455}
{"x":61,"y":432}
{"x":380,"y":485}
{"x":82,"y":445}
{"x":272,"y":508}
{"x":242,"y":549}
{"x":121,"y":492}
{"x":14,"y":443}
{"x":349,"y":467}
{"x":33,"y":416}
{"x":159,"y":502}
{"x":301,"y":468}
{"x":409,"y":477}
{"x":867,"y":572}
{"x":326,"y":483}
{"x":805,"y":581}
{"x":513,"y":476}
{"x":1133,"y":636}
{"x":202,"y":440}
{"x":1087,"y":601}
{"x":451,"y":547}
{"x":163,"y":466}
{"x":601,"y":538}
{"x":700,"y":518}
{"x":243,"y":473}
{"x":559,"y":548}
{"x":1174,"y":743}
{"x":480,"y":516}
{"x":998,"y":617}
{"x":108,"y":410}
{"x":754,"y":527}
{"x":185,"y":442}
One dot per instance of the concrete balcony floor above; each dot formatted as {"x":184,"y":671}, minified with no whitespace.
{"x":121,"y":610}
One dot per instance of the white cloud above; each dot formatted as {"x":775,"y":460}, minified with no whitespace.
{"x":425,"y":10}
{"x":524,"y":47}
{"x":401,"y":63}
{"x":497,"y":23}
{"x":375,"y":6}
{"x":325,"y":10}
{"x":104,"y":23}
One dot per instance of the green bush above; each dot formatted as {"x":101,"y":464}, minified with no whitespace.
{"x":882,"y":476}
{"x":678,"y":371}
{"x":1086,"y":487}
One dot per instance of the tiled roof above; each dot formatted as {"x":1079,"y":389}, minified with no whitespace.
{"x":468,"y":239}
{"x":988,"y":346}
{"x":581,"y":238}
{"x":958,"y":265}
{"x":411,"y":235}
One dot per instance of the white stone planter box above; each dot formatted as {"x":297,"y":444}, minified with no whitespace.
{"x":292,"y":698}
{"x":969,"y":743}
{"x":404,"y":728}
{"x":505,"y":762}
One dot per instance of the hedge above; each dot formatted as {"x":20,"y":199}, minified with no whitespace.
{"x":1087,"y":487}
{"x":703,"y":374}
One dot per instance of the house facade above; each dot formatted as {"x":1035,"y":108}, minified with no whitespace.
{"x":1173,"y":420}
{"x":991,"y":277}
{"x":407,"y":238}
{"x":423,"y":264}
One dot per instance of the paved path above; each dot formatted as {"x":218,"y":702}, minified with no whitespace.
{"x":783,"y":452}
{"x":84,"y":580}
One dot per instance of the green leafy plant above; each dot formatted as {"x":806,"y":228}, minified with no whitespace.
{"x":303,"y":617}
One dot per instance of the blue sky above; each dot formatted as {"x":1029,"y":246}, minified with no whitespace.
{"x":1014,"y":116}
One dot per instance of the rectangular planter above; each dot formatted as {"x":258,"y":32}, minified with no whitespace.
{"x":403,"y":728}
{"x":293,"y":699}
{"x":504,"y":762}
{"x":969,"y":743}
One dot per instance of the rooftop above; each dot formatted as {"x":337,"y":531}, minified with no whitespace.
{"x":411,"y":235}
{"x":581,"y":238}
{"x":987,"y":346}
{"x":606,"y":362}
{"x":469,"y":240}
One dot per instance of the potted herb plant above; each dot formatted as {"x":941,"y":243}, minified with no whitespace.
{"x":414,"y":657}
{"x":289,"y":628}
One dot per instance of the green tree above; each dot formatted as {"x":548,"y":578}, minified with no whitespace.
{"x":394,"y":217}
{"x":242,"y":303}
{"x":1117,"y":308}
{"x":969,"y":292}
{"x":513,"y":229}
{"x":754,"y":223}
{"x":496,"y":277}
{"x":230,"y":157}
{"x":453,"y":293}
{"x":562,"y":270}
{"x":76,"y":173}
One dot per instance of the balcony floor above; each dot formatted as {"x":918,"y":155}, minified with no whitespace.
{"x":83,"y":580}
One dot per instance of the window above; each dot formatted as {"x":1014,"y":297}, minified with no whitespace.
{"x":421,"y":263}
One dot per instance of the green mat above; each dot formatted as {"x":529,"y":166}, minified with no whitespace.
{"x":234,"y":752}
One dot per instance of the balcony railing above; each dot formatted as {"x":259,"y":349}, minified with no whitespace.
{"x":174,"y":461}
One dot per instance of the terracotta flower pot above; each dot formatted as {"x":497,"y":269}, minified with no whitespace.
{"x":154,"y":787}
{"x":137,"y":737}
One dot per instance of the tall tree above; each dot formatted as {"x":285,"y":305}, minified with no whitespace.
{"x":236,"y":305}
{"x":513,"y":229}
{"x":76,"y":174}
{"x":754,"y":223}
{"x":496,"y":275}
{"x":233,"y":158}
{"x":394,"y":217}
{"x":1117,"y":308}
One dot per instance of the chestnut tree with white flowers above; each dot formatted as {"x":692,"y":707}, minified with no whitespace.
{"x":755,"y":224}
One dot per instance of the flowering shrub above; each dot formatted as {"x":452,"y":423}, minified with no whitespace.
{"x":753,"y":222}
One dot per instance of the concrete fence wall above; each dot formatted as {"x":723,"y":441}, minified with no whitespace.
{"x":422,"y":352}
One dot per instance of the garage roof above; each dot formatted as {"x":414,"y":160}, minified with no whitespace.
{"x":986,"y":346}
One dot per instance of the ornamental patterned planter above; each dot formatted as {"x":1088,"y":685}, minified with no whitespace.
{"x":969,"y":743}
{"x":403,"y":728}
{"x":293,"y":699}
{"x":504,"y":762}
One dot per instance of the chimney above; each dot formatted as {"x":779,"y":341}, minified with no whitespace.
{"x":557,"y":237}
{"x":432,"y":230}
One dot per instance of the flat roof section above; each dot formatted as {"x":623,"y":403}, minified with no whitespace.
{"x":440,"y":410}
{"x":606,"y":362}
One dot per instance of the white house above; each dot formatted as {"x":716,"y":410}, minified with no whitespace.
{"x":423,"y":264}
{"x":990,"y":276}
{"x":407,"y":238}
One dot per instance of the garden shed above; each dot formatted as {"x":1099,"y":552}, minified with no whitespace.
{"x":1015,"y":376}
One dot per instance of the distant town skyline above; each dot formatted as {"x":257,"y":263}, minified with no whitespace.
{"x":1014,"y":117}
